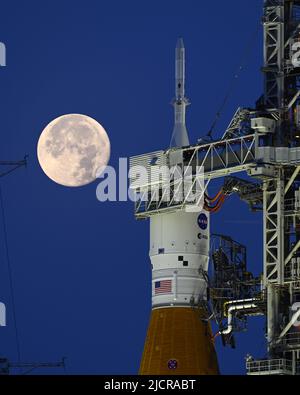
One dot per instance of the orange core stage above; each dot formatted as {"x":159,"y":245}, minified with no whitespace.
{"x":179,"y":342}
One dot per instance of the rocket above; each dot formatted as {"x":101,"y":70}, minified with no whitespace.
{"x":179,"y":339}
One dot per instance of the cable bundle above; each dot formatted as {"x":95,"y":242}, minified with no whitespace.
{"x":213,"y":205}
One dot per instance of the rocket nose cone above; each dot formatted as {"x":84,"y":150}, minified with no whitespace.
{"x":180,"y":43}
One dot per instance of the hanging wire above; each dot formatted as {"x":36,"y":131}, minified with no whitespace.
{"x":11,"y":285}
{"x":243,"y":64}
{"x":11,"y":170}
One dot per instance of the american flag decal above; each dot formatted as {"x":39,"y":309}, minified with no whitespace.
{"x":163,"y":287}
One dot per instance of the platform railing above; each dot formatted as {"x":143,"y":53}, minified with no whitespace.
{"x":270,"y":367}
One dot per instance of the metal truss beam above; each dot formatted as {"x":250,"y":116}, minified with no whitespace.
{"x":274,"y":229}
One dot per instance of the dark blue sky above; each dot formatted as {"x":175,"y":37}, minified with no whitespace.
{"x":80,"y":268}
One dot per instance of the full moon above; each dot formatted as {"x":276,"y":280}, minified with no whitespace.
{"x":73,"y":149}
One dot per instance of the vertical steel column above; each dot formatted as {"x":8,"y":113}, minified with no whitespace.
{"x":274,"y":248}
